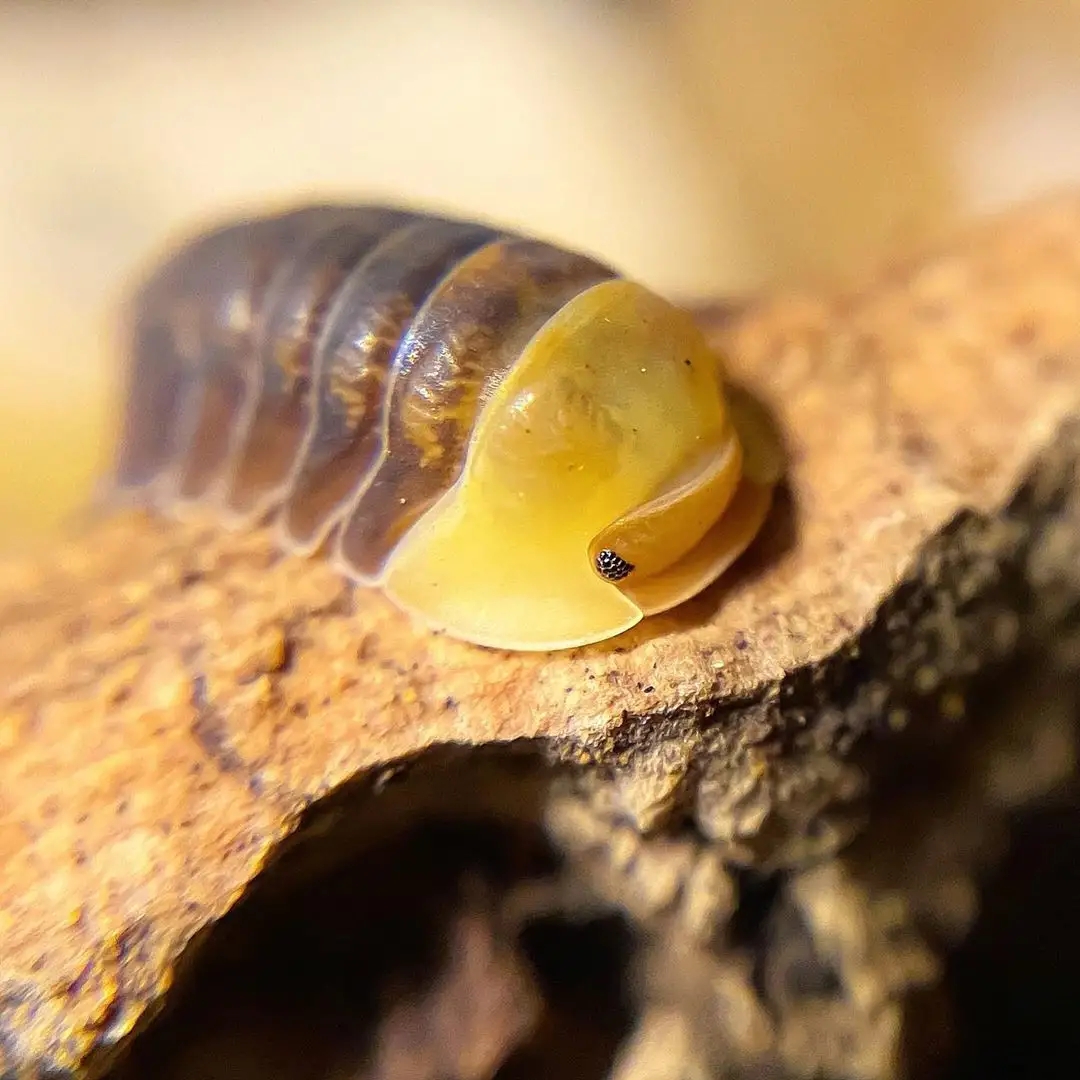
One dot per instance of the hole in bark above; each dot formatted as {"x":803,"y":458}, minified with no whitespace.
{"x":377,"y":944}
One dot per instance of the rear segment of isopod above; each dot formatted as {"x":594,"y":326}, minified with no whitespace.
{"x":190,"y":330}
{"x":166,"y":341}
{"x":189,"y":336}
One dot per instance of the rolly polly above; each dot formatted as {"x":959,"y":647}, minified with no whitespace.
{"x":519,"y":447}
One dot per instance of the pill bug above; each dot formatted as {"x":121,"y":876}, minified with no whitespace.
{"x":520,"y":447}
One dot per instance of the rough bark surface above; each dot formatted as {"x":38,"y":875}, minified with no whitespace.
{"x":788,"y":788}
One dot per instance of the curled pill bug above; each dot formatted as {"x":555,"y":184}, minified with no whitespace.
{"x":518,"y":446}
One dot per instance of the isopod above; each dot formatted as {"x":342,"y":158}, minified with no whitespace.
{"x":520,"y":447}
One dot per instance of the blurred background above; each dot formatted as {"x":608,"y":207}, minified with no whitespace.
{"x":703,"y":146}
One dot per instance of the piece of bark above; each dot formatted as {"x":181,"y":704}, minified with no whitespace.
{"x":174,"y":697}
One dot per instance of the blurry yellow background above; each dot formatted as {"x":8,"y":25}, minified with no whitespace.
{"x":704,"y":146}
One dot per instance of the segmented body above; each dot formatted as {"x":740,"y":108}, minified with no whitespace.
{"x":519,"y":446}
{"x":326,"y":366}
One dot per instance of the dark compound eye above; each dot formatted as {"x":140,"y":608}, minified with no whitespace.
{"x":611,"y":566}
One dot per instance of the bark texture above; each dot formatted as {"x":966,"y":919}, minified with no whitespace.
{"x":767,"y":815}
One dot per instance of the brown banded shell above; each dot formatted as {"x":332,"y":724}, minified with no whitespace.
{"x":520,"y":447}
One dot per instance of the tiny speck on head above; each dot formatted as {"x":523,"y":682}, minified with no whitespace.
{"x":611,"y":566}
{"x":687,"y":363}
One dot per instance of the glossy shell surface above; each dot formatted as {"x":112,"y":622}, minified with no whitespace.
{"x":521,"y":448}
